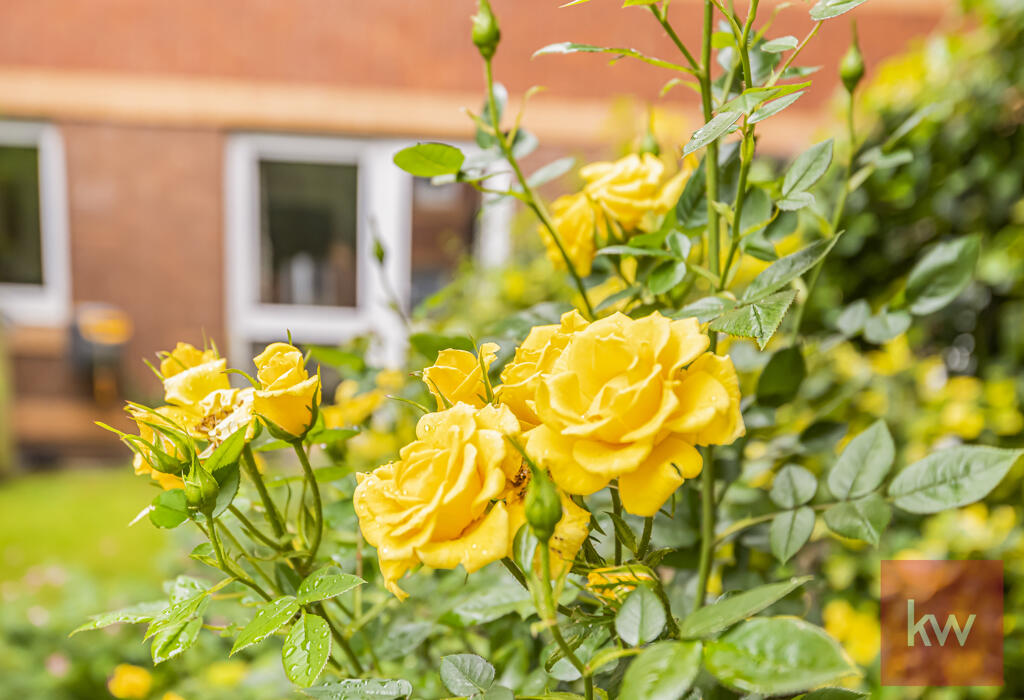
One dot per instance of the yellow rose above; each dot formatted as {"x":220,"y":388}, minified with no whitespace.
{"x":190,"y":375}
{"x":225,"y":411}
{"x":577,"y":222}
{"x":456,"y":376}
{"x":350,"y":407}
{"x":629,"y":399}
{"x":627,"y":189}
{"x":533,"y":358}
{"x":130,"y":681}
{"x":434,"y":505}
{"x":287,"y":396}
{"x":171,"y":416}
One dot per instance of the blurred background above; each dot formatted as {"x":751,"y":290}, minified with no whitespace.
{"x":220,"y":172}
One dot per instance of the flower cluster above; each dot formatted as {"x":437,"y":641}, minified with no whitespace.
{"x":617,"y":399}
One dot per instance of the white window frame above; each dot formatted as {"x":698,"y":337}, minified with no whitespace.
{"x":383,"y":211}
{"x":49,"y":303}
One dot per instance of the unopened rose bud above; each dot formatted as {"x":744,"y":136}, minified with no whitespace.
{"x":486,"y":34}
{"x":543,"y":506}
{"x":851,"y":68}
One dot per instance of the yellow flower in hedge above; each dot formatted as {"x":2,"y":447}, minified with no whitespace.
{"x":457,"y":376}
{"x":287,"y":396}
{"x":130,"y":681}
{"x":225,"y":411}
{"x":577,"y":222}
{"x":627,"y":189}
{"x":628,"y":399}
{"x":190,"y":375}
{"x":611,"y":584}
{"x":350,"y":407}
{"x":434,"y":505}
{"x":858,"y":631}
{"x":533,"y":358}
{"x":171,"y":416}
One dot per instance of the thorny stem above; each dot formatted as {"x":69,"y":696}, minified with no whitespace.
{"x":273,"y":517}
{"x":551,"y":620}
{"x":707,"y":526}
{"x":711,"y":156}
{"x":662,"y":18}
{"x":253,"y":531}
{"x":531,"y":198}
{"x":617,"y":509}
{"x":318,"y":510}
{"x":226,"y":567}
{"x":252,"y":562}
{"x":340,"y":639}
{"x":645,"y":538}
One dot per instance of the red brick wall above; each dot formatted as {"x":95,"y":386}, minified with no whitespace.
{"x":146,"y":232}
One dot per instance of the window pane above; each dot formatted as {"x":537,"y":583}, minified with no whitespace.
{"x":21,"y":254}
{"x":308,"y":233}
{"x":443,"y":225}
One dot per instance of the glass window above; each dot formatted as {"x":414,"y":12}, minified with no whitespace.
{"x":21,"y":257}
{"x":443,"y":227}
{"x":308,"y":233}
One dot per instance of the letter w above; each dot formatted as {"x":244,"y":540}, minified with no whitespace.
{"x":954,"y":624}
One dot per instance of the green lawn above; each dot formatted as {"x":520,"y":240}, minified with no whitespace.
{"x":79,"y":518}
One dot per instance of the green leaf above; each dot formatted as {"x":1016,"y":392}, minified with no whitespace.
{"x":325,"y":583}
{"x":793,"y":486}
{"x":951,"y":478}
{"x":776,"y":656}
{"x":783,"y":43}
{"x":641,"y":618}
{"x":551,"y":171}
{"x":635,"y":251}
{"x":134,"y":614}
{"x":758,"y":320}
{"x":306,"y":650}
{"x":623,"y":533}
{"x":351,"y":362}
{"x":781,"y":378}
{"x":785,"y":270}
{"x":271,"y":617}
{"x":827,"y":9}
{"x":466,"y":674}
{"x":807,"y":169}
{"x":174,"y":639}
{"x":864,"y":463}
{"x":568,"y":47}
{"x":664,"y":671}
{"x":489,"y":604}
{"x":941,"y":274}
{"x":751,"y":98}
{"x":497,"y":692}
{"x":430,"y":159}
{"x":774,"y":107}
{"x":795,"y":201}
{"x":430,"y":344}
{"x":708,"y":621}
{"x":863,"y":519}
{"x":851,"y":320}
{"x":833,"y":694}
{"x":886,"y":325}
{"x":353,"y":689}
{"x":706,"y":309}
{"x":790,"y":531}
{"x":757,"y":211}
{"x":711,"y":131}
{"x":170,"y":509}
{"x":227,"y":453}
{"x":666,"y":276}
{"x":403,"y":638}
{"x":691,"y":208}
{"x":330,"y":436}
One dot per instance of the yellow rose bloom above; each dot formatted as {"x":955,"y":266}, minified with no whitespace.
{"x":628,"y":399}
{"x":224,"y":412}
{"x":533,"y":358}
{"x":434,"y":505}
{"x":577,"y":222}
{"x":287,"y":396}
{"x":350,"y":407}
{"x":175,"y":417}
{"x":190,"y":375}
{"x":130,"y":681}
{"x":627,"y":189}
{"x":457,"y":377}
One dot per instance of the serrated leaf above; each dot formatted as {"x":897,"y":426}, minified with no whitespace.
{"x":807,"y":169}
{"x":635,"y":251}
{"x":864,"y":463}
{"x":942,"y":274}
{"x":354,"y":689}
{"x":863,"y":519}
{"x":664,"y":671}
{"x":227,"y":453}
{"x":133,"y":614}
{"x":271,"y":617}
{"x":776,"y":656}
{"x":172,"y":640}
{"x":783,"y":43}
{"x":886,"y":325}
{"x":706,"y":309}
{"x":758,"y":320}
{"x":827,"y":9}
{"x":306,"y":650}
{"x":785,"y":270}
{"x":851,"y":320}
{"x":325,"y":583}
{"x":490,"y":604}
{"x":951,"y":478}
{"x":430,"y":159}
{"x":708,"y":621}
{"x":795,"y":201}
{"x":666,"y":276}
{"x":641,"y":618}
{"x":170,"y":509}
{"x":781,"y":378}
{"x":793,"y":486}
{"x":774,"y":107}
{"x":466,"y":674}
{"x":711,"y":131}
{"x":789,"y":532}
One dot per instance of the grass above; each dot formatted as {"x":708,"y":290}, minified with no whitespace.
{"x":79,"y":518}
